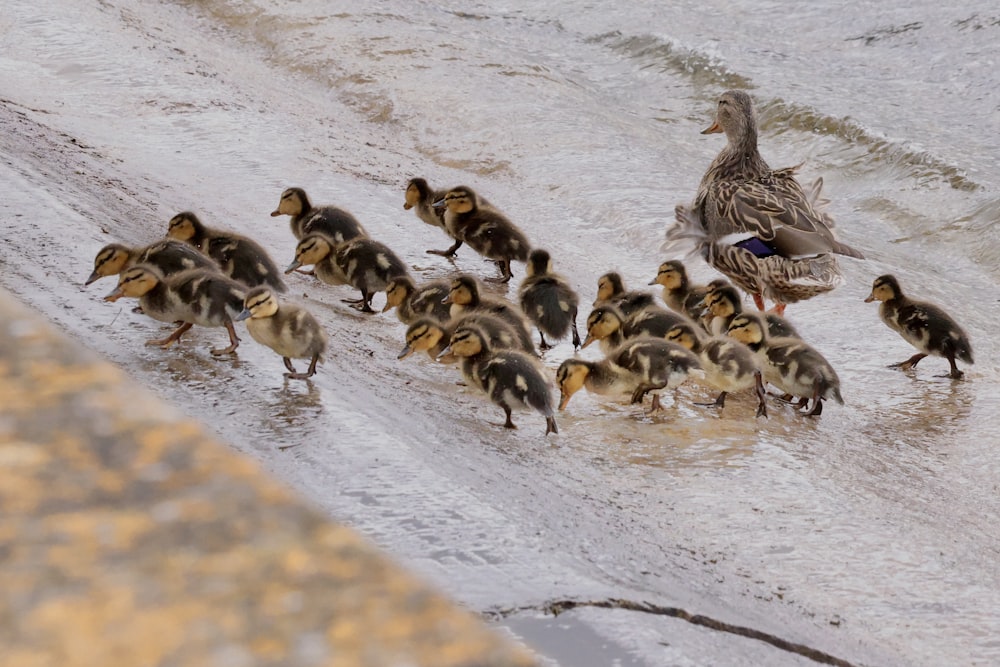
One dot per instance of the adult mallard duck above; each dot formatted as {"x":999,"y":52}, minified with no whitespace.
{"x":757,"y":225}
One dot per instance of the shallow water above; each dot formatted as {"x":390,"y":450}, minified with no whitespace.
{"x":868,"y":533}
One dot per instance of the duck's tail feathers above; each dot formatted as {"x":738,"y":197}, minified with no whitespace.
{"x":686,"y":234}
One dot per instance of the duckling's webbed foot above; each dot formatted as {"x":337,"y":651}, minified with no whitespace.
{"x":505,"y":273}
{"x":655,"y":406}
{"x":719,"y":402}
{"x":955,"y":374}
{"x":509,"y":423}
{"x":300,"y":376}
{"x":761,"y":396}
{"x":288,"y":364}
{"x":172,"y":338}
{"x":909,"y":363}
{"x":234,"y":341}
{"x":450,"y":252}
{"x":544,"y":344}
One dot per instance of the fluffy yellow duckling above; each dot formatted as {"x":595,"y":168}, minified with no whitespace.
{"x":169,"y":256}
{"x":362,"y":263}
{"x":286,"y":328}
{"x":430,"y":335}
{"x":412,"y":301}
{"x":331,"y":221}
{"x":421,"y":197}
{"x":239,"y":257}
{"x":205,"y":298}
{"x":466,"y":295}
{"x":510,"y":378}
{"x":609,"y":325}
{"x":728,"y":364}
{"x":790,"y":364}
{"x":485,"y":229}
{"x":548,"y":300}
{"x":678,"y":292}
{"x":611,"y":291}
{"x":640,"y":366}
{"x":723,"y":302}
{"x":921,"y":324}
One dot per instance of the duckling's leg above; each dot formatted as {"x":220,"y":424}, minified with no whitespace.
{"x":640,"y":393}
{"x":450,"y":252}
{"x":719,"y":402}
{"x":288,"y":364}
{"x":655,"y":406}
{"x":817,"y":408}
{"x":172,"y":338}
{"x":909,"y":363}
{"x":364,"y":304}
{"x":543,"y":345}
{"x":301,"y":376}
{"x":759,"y":387}
{"x":234,"y":341}
{"x":505,"y":274}
{"x":576,"y":334}
{"x":509,"y":423}
{"x":955,"y":373}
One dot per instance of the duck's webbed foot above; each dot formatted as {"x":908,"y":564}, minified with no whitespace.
{"x":909,"y":363}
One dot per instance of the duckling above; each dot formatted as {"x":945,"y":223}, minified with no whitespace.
{"x":487,"y":231}
{"x":638,"y":367}
{"x":466,"y":295}
{"x":921,"y":324}
{"x":432,"y":335}
{"x":510,"y":378}
{"x":286,"y":328}
{"x":239,"y":257}
{"x":411,"y":301}
{"x":420,"y":197}
{"x":362,"y":263}
{"x":790,"y":364}
{"x":168,"y":256}
{"x":548,"y":300}
{"x":728,"y":364}
{"x":198,"y":296}
{"x":609,"y":325}
{"x":332,"y":221}
{"x":678,"y":292}
{"x":611,"y":290}
{"x":723,"y":302}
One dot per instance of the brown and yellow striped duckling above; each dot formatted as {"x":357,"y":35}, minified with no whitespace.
{"x":168,"y":255}
{"x":466,"y":295}
{"x":611,"y":291}
{"x":548,"y":300}
{"x":412,"y":301}
{"x":288,"y":329}
{"x":421,"y":197}
{"x":362,"y":263}
{"x":724,"y":302}
{"x":678,"y":292}
{"x":609,"y":325}
{"x":790,"y":364}
{"x":198,"y":296}
{"x":335,"y":222}
{"x":239,"y":257}
{"x":729,"y":365}
{"x":638,"y":367}
{"x":485,"y":229}
{"x":510,"y":378}
{"x":428,"y":334}
{"x":921,"y":324}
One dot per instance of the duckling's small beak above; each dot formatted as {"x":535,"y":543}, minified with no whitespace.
{"x":871,"y":297}
{"x":294,"y":265}
{"x":407,"y":206}
{"x":93,"y":276}
{"x":387,"y":307}
{"x":447,"y":299}
{"x":438,"y":204}
{"x":652,"y":282}
{"x":114,"y":294}
{"x":587,"y":341}
{"x":444,"y":353}
{"x":405,"y":352}
{"x":714,"y":129}
{"x":275,"y":213}
{"x":244,"y":314}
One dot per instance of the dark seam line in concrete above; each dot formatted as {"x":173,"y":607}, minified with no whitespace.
{"x":557,"y":607}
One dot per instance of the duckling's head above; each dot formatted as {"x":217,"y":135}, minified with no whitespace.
{"x":293,"y":201}
{"x":185,"y":226}
{"x":312,"y":249}
{"x":539,"y":263}
{"x":459,"y":200}
{"x":684,"y":334}
{"x":423,"y":335}
{"x":571,"y":377}
{"x":416,"y":190}
{"x":671,"y":275}
{"x":135,"y":282}
{"x":464,"y":291}
{"x":735,"y":116}
{"x":885,"y":288}
{"x":110,"y":261}
{"x":466,"y":341}
{"x":609,"y":286}
{"x":259,"y":302}
{"x":749,"y":328}
{"x":601,"y":323}
{"x":723,"y":301}
{"x":397,"y":291}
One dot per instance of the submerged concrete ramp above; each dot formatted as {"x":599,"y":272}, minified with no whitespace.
{"x":130,"y":537}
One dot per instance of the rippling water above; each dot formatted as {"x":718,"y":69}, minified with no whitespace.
{"x":873,"y":526}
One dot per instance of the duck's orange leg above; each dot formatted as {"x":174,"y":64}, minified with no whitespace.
{"x":758,"y":300}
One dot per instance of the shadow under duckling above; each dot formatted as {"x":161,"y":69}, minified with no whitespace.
{"x":485,"y":229}
{"x":239,"y":257}
{"x":724,"y":302}
{"x":790,"y":364}
{"x":510,"y":378}
{"x":362,"y":263}
{"x":168,"y":255}
{"x":678,"y":292}
{"x":198,"y":296}
{"x":923,"y":325}
{"x":611,"y":291}
{"x":612,"y":328}
{"x":638,"y":367}
{"x":548,"y":301}
{"x":412,"y":301}
{"x":288,"y":329}
{"x":430,"y":335}
{"x":729,"y":365}
{"x":334,"y":222}
{"x":466,"y":295}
